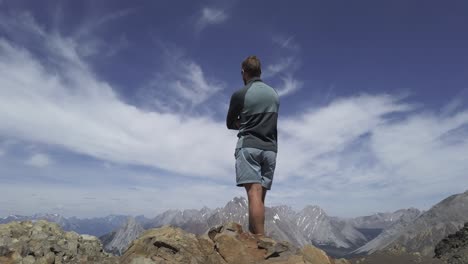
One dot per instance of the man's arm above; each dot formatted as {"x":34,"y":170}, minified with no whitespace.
{"x":235,"y":107}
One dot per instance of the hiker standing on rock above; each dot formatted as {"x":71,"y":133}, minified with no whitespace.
{"x":253,"y":111}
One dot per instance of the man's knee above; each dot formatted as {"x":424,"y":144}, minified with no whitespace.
{"x":254,"y":189}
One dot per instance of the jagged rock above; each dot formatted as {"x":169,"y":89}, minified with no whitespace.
{"x":225,"y":244}
{"x":170,"y":245}
{"x":43,"y":242}
{"x":315,"y":255}
{"x":454,"y":248}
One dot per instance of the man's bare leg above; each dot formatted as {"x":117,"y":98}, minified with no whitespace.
{"x":256,"y":195}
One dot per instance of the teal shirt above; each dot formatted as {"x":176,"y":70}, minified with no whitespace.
{"x":256,"y":107}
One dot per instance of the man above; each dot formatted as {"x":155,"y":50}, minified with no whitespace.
{"x":253,"y":111}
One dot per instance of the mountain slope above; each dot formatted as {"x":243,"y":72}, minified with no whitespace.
{"x":426,"y":230}
{"x":454,"y":248}
{"x":444,"y":218}
{"x":191,"y":220}
{"x":118,"y":241}
{"x":395,"y":224}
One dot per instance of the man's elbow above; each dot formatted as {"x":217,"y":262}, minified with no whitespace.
{"x":232,"y":125}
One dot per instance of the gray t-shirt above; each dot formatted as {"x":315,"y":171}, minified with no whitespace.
{"x":256,"y":107}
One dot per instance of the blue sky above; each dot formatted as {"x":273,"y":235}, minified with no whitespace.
{"x":118,"y":107}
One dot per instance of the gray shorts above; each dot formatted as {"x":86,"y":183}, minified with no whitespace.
{"x":255,"y":166}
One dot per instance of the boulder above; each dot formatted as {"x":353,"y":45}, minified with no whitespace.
{"x":170,"y":245}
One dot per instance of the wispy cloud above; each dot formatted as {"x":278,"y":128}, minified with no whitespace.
{"x":20,"y":22}
{"x":210,"y":16}
{"x":286,"y":42}
{"x":39,"y":160}
{"x":283,"y":70}
{"x":181,"y":85}
{"x":120,"y":44}
{"x":91,"y":24}
{"x":282,"y":66}
{"x":290,"y":85}
{"x":192,"y":84}
{"x":103,"y":126}
{"x":90,"y":45}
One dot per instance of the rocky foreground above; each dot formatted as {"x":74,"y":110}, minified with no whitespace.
{"x":43,"y":242}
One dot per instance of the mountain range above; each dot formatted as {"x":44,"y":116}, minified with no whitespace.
{"x":407,"y":229}
{"x":425,"y":231}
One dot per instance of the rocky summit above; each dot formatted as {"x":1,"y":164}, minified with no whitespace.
{"x":43,"y":242}
{"x":223,"y":244}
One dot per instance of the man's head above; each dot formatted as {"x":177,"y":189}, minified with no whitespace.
{"x":251,"y":68}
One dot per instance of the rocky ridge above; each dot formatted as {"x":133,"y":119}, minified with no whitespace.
{"x":224,"y":244}
{"x":432,"y":226}
{"x":454,"y":248}
{"x":43,"y":242}
{"x":389,"y":234}
{"x":423,"y":232}
{"x":96,"y":226}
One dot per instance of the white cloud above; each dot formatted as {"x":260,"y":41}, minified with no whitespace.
{"x":193,"y":86}
{"x":210,"y":16}
{"x":360,"y":149}
{"x":84,"y":115}
{"x":39,"y":160}
{"x":71,"y":108}
{"x":283,"y":71}
{"x":181,"y":86}
{"x":282,"y":66}
{"x":289,"y":85}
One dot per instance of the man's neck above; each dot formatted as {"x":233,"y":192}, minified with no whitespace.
{"x":252,"y":79}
